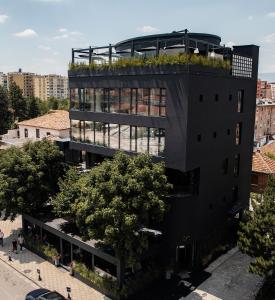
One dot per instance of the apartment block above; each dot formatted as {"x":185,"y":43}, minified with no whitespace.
{"x":3,"y":80}
{"x":264,"y":90}
{"x":24,"y":81}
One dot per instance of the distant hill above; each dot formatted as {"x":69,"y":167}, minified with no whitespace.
{"x":267,"y":76}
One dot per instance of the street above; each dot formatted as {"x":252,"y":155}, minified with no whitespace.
{"x":13,"y":286}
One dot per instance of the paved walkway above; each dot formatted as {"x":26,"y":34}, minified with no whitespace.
{"x":53,"y":278}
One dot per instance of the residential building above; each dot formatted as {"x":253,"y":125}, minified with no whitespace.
{"x":3,"y":80}
{"x":272,"y":85}
{"x":24,"y":81}
{"x":263,"y":90}
{"x":264,"y":121}
{"x":47,"y":86}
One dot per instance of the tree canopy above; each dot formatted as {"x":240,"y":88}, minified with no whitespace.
{"x":114,"y":201}
{"x":257,"y":233}
{"x":5,"y":115}
{"x":27,"y":177}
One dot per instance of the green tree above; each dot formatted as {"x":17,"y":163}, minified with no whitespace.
{"x":115,"y":201}
{"x":17,"y":102}
{"x":64,"y":104}
{"x":257,"y":233}
{"x":33,"y":108}
{"x":5,"y":115}
{"x":28,"y":177}
{"x":52,"y":103}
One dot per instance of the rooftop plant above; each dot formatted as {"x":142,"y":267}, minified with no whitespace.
{"x":164,"y":59}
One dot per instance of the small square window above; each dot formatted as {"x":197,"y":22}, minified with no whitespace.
{"x":228,"y":131}
{"x":214,"y":134}
{"x":199,"y":137}
{"x":216,"y":97}
{"x":201,"y":98}
{"x":230,"y":97}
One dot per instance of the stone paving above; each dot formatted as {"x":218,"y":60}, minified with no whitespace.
{"x":53,"y":278}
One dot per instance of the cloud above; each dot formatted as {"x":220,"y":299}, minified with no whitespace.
{"x":3,"y":18}
{"x":62,"y":30}
{"x":65,"y":34}
{"x":271,"y":14}
{"x":147,"y":29}
{"x":250,"y":18}
{"x":45,"y":48}
{"x":27,"y":33}
{"x":270,"y":38}
{"x":60,"y":37}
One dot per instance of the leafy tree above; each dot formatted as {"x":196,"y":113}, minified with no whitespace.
{"x":17,"y":102}
{"x":5,"y":115}
{"x":27,"y":177}
{"x":33,"y":108}
{"x":114,"y":201}
{"x":257,"y":233}
{"x":53,"y":103}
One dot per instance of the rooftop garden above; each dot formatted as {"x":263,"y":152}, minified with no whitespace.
{"x":164,"y":59}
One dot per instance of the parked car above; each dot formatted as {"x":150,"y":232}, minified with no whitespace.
{"x":44,"y":294}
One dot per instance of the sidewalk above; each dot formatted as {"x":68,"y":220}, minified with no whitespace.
{"x":53,"y":278}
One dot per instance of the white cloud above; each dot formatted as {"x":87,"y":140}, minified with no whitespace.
{"x":250,"y":18}
{"x":270,"y":38}
{"x":147,"y":29}
{"x":271,"y":14}
{"x":65,"y":34}
{"x":76,"y":32}
{"x":27,"y":33}
{"x":62,"y":30}
{"x":60,"y":37}
{"x":3,"y":18}
{"x":45,"y":48}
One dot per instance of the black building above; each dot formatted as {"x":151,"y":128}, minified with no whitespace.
{"x":197,"y":118}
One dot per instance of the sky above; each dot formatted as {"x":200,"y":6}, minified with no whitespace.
{"x":38,"y":35}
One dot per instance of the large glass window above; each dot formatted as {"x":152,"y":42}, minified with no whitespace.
{"x":89,"y":100}
{"x":142,"y":139}
{"x":125,"y":101}
{"x":89,"y":132}
{"x":143,"y":102}
{"x":113,"y":100}
{"x":162,"y":111}
{"x":125,"y":137}
{"x":238,"y":133}
{"x":75,"y":130}
{"x":114,"y":136}
{"x":133,"y":138}
{"x":101,"y":99}
{"x":240,"y":100}
{"x":74,"y":99}
{"x":161,"y":141}
{"x":154,"y":141}
{"x":81,"y":99}
{"x":155,"y":102}
{"x":134,"y":97}
{"x":101,"y":134}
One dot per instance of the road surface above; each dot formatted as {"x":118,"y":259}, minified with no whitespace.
{"x":13,"y":286}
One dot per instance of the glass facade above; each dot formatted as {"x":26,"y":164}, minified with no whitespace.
{"x":142,"y":101}
{"x":116,"y":136}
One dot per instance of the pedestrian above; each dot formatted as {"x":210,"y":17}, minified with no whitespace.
{"x":57,"y":260}
{"x":21,"y":241}
{"x":2,"y":238}
{"x":72,"y":265}
{"x":14,"y":245}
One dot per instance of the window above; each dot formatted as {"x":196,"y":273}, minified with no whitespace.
{"x":199,"y":137}
{"x":216,"y":97}
{"x":48,"y":133}
{"x":142,"y":139}
{"x":114,"y":136}
{"x":225,"y":166}
{"x":37,"y":131}
{"x":238,"y":133}
{"x":113,"y":100}
{"x":228,"y":131}
{"x":214,"y":134}
{"x":143,"y":102}
{"x":134,"y":97}
{"x":26,"y":132}
{"x":101,"y":134}
{"x":125,"y":101}
{"x":101,"y":103}
{"x":125,"y":137}
{"x":89,"y":132}
{"x":74,"y":99}
{"x":230,"y":97}
{"x":240,"y":101}
{"x":163,"y":103}
{"x":154,"y":102}
{"x":133,"y":138}
{"x":89,"y":100}
{"x":201,"y":98}
{"x":81,"y":99}
{"x":75,"y":130}
{"x":154,"y":141}
{"x":236,"y":165}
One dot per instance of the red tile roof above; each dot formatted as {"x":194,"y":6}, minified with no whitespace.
{"x":263,"y":164}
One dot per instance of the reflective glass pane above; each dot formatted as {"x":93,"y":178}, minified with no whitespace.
{"x":142,"y":139}
{"x":114,"y":136}
{"x":163,"y":103}
{"x":101,"y":134}
{"x":143,"y":102}
{"x":89,"y":100}
{"x":125,"y":137}
{"x":101,"y":100}
{"x":114,"y":100}
{"x":154,"y":102}
{"x":89,"y":132}
{"x":134,"y":95}
{"x":75,"y":130}
{"x":74,"y":99}
{"x":161,"y":142}
{"x":133,"y":138}
{"x":125,"y":101}
{"x":154,"y":139}
{"x":81,"y":99}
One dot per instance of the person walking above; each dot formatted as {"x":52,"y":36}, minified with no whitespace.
{"x":21,"y":241}
{"x":1,"y":238}
{"x":14,"y":245}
